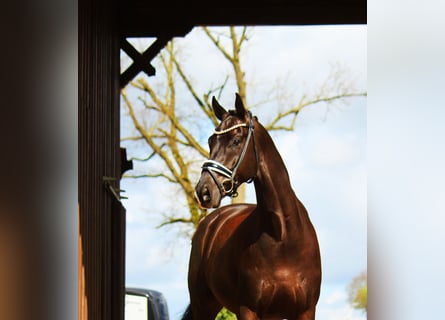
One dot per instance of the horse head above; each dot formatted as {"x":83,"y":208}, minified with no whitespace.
{"x":233,"y":156}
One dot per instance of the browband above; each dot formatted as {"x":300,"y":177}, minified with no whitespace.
{"x":231,"y":128}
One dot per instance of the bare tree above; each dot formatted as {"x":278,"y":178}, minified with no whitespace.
{"x":169,"y":133}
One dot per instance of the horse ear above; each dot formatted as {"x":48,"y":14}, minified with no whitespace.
{"x":218,"y":109}
{"x":239,"y":106}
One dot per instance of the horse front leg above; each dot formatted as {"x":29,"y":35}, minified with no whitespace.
{"x":203,"y":304}
{"x":206,"y":308}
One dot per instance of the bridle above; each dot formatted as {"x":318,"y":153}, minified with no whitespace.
{"x":213,"y":167}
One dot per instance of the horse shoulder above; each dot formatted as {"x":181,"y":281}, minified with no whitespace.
{"x":215,"y":228}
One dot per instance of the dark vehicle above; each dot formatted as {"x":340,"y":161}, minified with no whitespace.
{"x":145,"y":304}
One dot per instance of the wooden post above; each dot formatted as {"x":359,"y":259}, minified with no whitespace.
{"x":101,"y":216}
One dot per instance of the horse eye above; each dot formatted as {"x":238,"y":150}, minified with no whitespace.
{"x":236,"y":141}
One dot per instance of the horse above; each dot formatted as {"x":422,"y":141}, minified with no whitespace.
{"x":259,"y":261}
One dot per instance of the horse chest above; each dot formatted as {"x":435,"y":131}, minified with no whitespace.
{"x":271,"y":263}
{"x":263,"y":270}
{"x":278,"y":292}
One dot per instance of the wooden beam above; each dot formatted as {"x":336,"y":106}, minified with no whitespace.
{"x":142,"y":62}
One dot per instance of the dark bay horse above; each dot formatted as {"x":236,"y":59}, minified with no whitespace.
{"x":259,"y":261}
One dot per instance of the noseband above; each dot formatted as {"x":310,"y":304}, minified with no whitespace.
{"x":213,"y":167}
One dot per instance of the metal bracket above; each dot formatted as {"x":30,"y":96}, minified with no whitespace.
{"x":114,"y":191}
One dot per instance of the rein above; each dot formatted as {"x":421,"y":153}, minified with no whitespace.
{"x":212,"y":166}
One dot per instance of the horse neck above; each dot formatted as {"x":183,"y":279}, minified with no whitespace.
{"x":276,"y":199}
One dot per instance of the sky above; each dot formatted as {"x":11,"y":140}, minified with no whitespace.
{"x":326,"y":157}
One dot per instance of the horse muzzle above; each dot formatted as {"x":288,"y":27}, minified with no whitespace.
{"x":207,"y":193}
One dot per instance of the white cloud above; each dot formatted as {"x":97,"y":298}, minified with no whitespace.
{"x":335,"y":298}
{"x":332,"y":151}
{"x":333,"y":305}
{"x":288,"y":146}
{"x":305,"y":52}
{"x":340,"y":313}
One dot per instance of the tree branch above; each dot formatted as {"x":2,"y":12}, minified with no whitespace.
{"x":147,"y":175}
{"x":148,"y":138}
{"x":172,"y":220}
{"x":208,"y":112}
{"x":147,"y":158}
{"x":243,"y":37}
{"x":170,"y":114}
{"x":136,"y":138}
{"x":303,"y":104}
{"x":217,"y":43}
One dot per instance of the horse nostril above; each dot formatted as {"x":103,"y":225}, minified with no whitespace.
{"x":205,"y":194}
